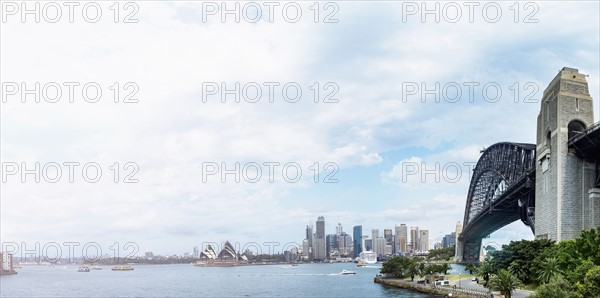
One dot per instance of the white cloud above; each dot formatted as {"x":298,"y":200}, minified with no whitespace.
{"x":171,"y":132}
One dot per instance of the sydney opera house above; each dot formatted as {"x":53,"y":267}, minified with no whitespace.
{"x":226,"y":257}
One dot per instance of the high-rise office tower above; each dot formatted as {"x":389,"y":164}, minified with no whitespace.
{"x":389,"y":238}
{"x":401,"y":238}
{"x":320,"y":247}
{"x":374,"y":236}
{"x":309,"y":238}
{"x":414,"y":239}
{"x":320,"y":227}
{"x":424,"y":240}
{"x":357,"y":233}
{"x":338,"y":229}
{"x":331,"y":242}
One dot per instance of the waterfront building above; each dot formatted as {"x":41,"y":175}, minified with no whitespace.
{"x":319,"y":249}
{"x":357,"y":233}
{"x":368,"y":244}
{"x":331,"y":243}
{"x":344,"y":244}
{"x":225,"y":257}
{"x":7,"y":263}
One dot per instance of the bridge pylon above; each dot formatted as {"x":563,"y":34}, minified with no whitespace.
{"x":565,"y":197}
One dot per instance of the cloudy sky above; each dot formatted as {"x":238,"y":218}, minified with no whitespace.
{"x":333,"y":90}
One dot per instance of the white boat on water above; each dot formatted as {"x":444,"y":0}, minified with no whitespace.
{"x":368,"y":257}
{"x":347,"y":272}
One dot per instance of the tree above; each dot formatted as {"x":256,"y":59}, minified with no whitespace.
{"x":518,"y":269}
{"x":504,"y":282}
{"x":444,"y":268}
{"x":558,"y":287}
{"x":400,"y":267}
{"x":521,"y":254}
{"x":590,"y":288}
{"x":548,"y":269}
{"x":471,"y":267}
{"x":485,"y":270}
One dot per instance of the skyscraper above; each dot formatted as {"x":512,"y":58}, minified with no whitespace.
{"x":320,"y":227}
{"x":344,"y":244}
{"x":357,"y":233}
{"x":331,"y":242}
{"x":320,"y":247}
{"x":424,"y":240}
{"x":401,"y":237}
{"x":414,"y":239}
{"x":374,"y":236}
{"x":389,"y":238}
{"x":338,"y":229}
{"x":309,"y":239}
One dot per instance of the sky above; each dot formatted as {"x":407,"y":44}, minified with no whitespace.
{"x":208,"y":128}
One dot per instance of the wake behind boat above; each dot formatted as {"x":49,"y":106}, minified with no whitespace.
{"x":122,"y":268}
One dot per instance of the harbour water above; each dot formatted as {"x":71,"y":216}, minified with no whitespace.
{"x":305,"y":280}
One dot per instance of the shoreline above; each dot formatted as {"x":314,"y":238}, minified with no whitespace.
{"x":441,"y":291}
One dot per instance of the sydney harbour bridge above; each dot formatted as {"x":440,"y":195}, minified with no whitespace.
{"x":552,"y":186}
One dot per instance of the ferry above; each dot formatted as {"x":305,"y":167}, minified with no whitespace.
{"x":360,"y":264}
{"x":122,"y":268}
{"x":83,"y":269}
{"x":347,"y":272}
{"x":368,"y":257}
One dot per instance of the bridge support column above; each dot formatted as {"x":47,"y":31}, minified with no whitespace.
{"x":472,"y":251}
{"x":594,"y":195}
{"x":458,"y":251}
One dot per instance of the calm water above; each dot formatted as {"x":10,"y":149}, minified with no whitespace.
{"x":305,"y":280}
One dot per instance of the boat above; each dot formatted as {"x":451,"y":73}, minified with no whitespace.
{"x":347,"y":272}
{"x":368,"y":257}
{"x":360,"y":264}
{"x":83,"y":269}
{"x":122,"y":268}
{"x":96,"y":268}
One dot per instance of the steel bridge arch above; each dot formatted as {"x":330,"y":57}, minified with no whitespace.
{"x":502,"y":190}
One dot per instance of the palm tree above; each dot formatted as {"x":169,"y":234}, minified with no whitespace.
{"x":518,"y":270}
{"x":484,"y":270}
{"x":444,"y":268}
{"x":471,"y":267}
{"x":548,"y":269}
{"x":504,"y":282}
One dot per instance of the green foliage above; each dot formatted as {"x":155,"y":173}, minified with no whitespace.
{"x":521,"y":255}
{"x":505,"y":282}
{"x":590,"y":288}
{"x":471,"y":267}
{"x":568,"y":269}
{"x":548,"y":269}
{"x":485,"y":270}
{"x":441,"y":254}
{"x":557,"y":288}
{"x":400,"y":267}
